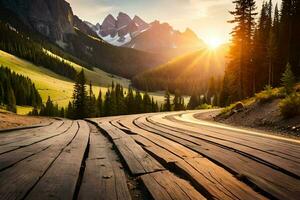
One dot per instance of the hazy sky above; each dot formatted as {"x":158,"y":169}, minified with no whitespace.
{"x":206,"y":17}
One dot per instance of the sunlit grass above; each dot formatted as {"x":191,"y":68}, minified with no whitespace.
{"x":59,"y":88}
{"x":96,"y":76}
{"x":48,"y":83}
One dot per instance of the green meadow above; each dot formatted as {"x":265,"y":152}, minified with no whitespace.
{"x":60,"y":88}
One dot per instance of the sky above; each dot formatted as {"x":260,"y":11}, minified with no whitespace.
{"x":207,"y":18}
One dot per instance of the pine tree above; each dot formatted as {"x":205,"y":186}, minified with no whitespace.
{"x":113,"y":101}
{"x":70,"y":111}
{"x":194,"y":101}
{"x":92,"y":112}
{"x":241,"y":48}
{"x":273,"y":51}
{"x":138,"y":102}
{"x":107,"y":104}
{"x":99,"y":105}
{"x":167,"y":104}
{"x":80,"y":97}
{"x":288,"y":79}
{"x":147,"y":104}
{"x":131,"y":108}
{"x":11,"y":101}
{"x":178,"y":101}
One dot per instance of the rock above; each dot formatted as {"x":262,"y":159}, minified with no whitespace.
{"x":108,"y":26}
{"x":123,"y":20}
{"x":82,"y":26}
{"x":238,"y":106}
{"x":52,"y":18}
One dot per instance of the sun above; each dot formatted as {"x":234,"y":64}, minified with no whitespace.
{"x":214,"y":43}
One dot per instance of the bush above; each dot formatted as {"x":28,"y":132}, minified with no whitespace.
{"x":290,"y":106}
{"x":227,"y":111}
{"x":204,"y":106}
{"x":268,"y":94}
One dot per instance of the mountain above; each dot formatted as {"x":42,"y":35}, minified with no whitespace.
{"x":53,"y":21}
{"x":119,"y":31}
{"x":162,"y":38}
{"x":155,"y":37}
{"x":186,"y":73}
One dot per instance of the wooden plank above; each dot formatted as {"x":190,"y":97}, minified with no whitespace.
{"x":19,"y":135}
{"x":137,"y":160}
{"x":41,"y":136}
{"x":165,"y":186}
{"x":113,"y":132}
{"x":116,"y":124}
{"x":104,"y":178}
{"x":160,"y":141}
{"x":60,"y":180}
{"x":269,"y":180}
{"x":217,"y":182}
{"x":259,"y":151}
{"x":13,"y":157}
{"x":6,"y":130}
{"x":18,"y":180}
{"x":287,"y":149}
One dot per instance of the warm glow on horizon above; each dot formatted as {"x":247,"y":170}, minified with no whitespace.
{"x":214,"y":42}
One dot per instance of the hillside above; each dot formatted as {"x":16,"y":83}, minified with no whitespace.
{"x":270,"y":110}
{"x":184,"y":73}
{"x":48,"y":83}
{"x":96,"y":76}
{"x":60,"y":27}
{"x":60,"y":88}
{"x":124,"y":62}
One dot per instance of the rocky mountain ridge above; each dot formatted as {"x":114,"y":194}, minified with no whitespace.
{"x":54,"y":19}
{"x":152,"y":37}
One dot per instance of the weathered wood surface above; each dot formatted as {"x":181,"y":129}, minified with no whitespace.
{"x":18,"y":180}
{"x":36,"y":137}
{"x":270,"y":180}
{"x":138,"y":161}
{"x":148,"y":156}
{"x":61,"y":178}
{"x":165,"y":186}
{"x":104,"y":177}
{"x":19,"y":135}
{"x":214,"y":180}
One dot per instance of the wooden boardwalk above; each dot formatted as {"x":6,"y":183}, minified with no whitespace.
{"x":149,"y":156}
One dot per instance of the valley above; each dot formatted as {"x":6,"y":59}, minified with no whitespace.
{"x":59,"y":88}
{"x":149,"y":100}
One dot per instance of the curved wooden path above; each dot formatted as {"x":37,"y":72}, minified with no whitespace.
{"x":171,"y":156}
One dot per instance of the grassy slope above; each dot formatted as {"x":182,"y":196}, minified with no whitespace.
{"x":59,"y":88}
{"x":96,"y":76}
{"x":198,"y":66}
{"x":48,"y":83}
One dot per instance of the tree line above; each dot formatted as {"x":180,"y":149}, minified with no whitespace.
{"x":116,"y":101}
{"x":21,"y":45}
{"x":17,"y":90}
{"x":261,"y":50}
{"x":85,"y":104}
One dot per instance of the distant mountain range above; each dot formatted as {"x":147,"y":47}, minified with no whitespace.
{"x":130,"y":48}
{"x":121,"y":30}
{"x":53,"y":21}
{"x":152,"y":37}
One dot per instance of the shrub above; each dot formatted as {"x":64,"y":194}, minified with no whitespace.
{"x":227,"y":111}
{"x":205,"y":106}
{"x":290,"y":106}
{"x":288,"y":79}
{"x":268,"y":94}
